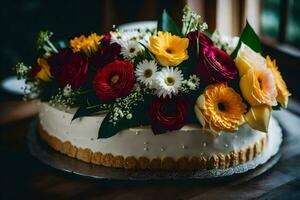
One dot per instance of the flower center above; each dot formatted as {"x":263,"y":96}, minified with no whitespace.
{"x":114,"y":79}
{"x":260,"y":83}
{"x":221,"y":107}
{"x":148,"y":73}
{"x":131,"y":50}
{"x":170,"y":81}
{"x":169,"y":51}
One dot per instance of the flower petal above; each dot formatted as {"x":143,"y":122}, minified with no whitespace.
{"x":258,"y":117}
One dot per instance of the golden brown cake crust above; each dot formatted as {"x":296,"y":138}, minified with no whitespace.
{"x":166,"y":163}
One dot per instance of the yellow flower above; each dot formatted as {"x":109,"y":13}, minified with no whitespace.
{"x":283,"y":93}
{"x":248,"y":59}
{"x":44,"y":71}
{"x":258,"y":117}
{"x":169,"y":50}
{"x":258,"y":87}
{"x":220,"y":108}
{"x":88,"y":45}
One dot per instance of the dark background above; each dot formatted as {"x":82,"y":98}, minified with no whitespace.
{"x":21,"y":20}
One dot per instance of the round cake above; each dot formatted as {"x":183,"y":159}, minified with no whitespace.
{"x":159,"y":98}
{"x":191,"y":147}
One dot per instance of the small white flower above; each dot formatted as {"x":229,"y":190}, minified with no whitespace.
{"x":145,"y":72}
{"x":67,"y":90}
{"x":130,"y":49}
{"x":193,"y":82}
{"x":168,"y":81}
{"x":116,"y":37}
{"x":121,"y":37}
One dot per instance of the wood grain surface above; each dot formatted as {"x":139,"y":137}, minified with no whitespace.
{"x":24,"y":177}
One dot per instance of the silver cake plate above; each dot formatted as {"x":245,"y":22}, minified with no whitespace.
{"x":246,"y":171}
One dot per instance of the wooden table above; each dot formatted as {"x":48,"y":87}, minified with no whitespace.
{"x":22,"y":176}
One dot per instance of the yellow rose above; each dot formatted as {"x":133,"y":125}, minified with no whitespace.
{"x":258,"y":87}
{"x":258,"y":117}
{"x":43,"y":70}
{"x":283,"y":93}
{"x":248,"y":59}
{"x":169,"y":50}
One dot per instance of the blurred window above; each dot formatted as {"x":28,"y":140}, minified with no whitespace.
{"x":293,"y":23}
{"x":270,"y":18}
{"x":280,"y":21}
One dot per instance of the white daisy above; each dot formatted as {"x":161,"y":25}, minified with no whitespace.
{"x":130,"y":49}
{"x":193,"y":82}
{"x":130,"y":35}
{"x":168,"y":81}
{"x":145,"y":72}
{"x":116,"y":37}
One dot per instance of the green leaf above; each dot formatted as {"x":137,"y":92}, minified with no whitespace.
{"x":249,"y":38}
{"x":167,"y":24}
{"x":277,"y":107}
{"x":83,"y":111}
{"x":139,"y":118}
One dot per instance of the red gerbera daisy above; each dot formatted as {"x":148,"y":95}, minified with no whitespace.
{"x":114,"y":80}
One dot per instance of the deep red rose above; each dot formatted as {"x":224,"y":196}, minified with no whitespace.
{"x":106,"y":54}
{"x":56,"y":61}
{"x":114,"y":80}
{"x":106,"y":38}
{"x":215,"y":66}
{"x":199,"y":37}
{"x":69,"y":68}
{"x":167,"y":114}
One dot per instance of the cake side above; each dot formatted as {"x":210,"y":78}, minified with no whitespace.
{"x":189,"y":148}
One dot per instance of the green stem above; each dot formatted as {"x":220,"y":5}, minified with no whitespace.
{"x":52,"y":46}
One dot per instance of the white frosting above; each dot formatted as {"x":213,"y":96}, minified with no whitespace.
{"x":191,"y":140}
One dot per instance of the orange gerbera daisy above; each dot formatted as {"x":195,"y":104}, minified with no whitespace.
{"x":88,"y":45}
{"x":220,"y":108}
{"x":283,"y":93}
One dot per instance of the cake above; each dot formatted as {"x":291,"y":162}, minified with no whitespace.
{"x":159,"y":99}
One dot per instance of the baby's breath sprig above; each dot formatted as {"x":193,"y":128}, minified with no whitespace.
{"x":123,"y":108}
{"x":22,"y":71}
{"x":190,"y":84}
{"x":44,"y":43}
{"x":192,"y":21}
{"x":31,"y":90}
{"x":65,"y":98}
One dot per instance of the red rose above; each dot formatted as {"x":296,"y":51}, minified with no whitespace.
{"x":69,"y":68}
{"x":106,"y":38}
{"x":114,"y":80}
{"x":167,"y":114}
{"x":215,"y":66}
{"x":199,"y":37}
{"x":106,"y":54}
{"x":56,"y":61}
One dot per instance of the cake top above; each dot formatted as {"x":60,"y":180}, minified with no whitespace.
{"x":163,"y":77}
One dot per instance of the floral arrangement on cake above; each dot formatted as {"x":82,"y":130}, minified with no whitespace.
{"x":163,"y":78}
